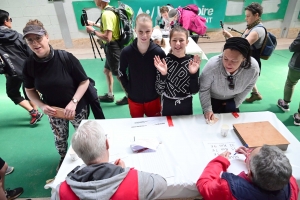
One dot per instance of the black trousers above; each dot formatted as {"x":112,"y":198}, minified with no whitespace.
{"x":13,"y":85}
{"x":219,"y":107}
{"x":172,"y":107}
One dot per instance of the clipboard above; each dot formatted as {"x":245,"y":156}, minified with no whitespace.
{"x":60,"y":113}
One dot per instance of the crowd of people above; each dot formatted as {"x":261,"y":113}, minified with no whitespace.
{"x":155,"y":84}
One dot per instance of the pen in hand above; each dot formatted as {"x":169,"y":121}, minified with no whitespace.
{"x":117,"y":161}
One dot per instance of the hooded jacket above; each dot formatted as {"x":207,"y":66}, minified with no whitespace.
{"x":139,"y":80}
{"x":215,"y":183}
{"x":13,"y":45}
{"x":101,"y":181}
{"x":295,"y":60}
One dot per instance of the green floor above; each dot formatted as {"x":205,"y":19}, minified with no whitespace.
{"x":30,"y":149}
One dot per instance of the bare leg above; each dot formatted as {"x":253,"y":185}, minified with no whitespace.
{"x":254,"y":89}
{"x":2,"y":175}
{"x":26,"y":105}
{"x":35,"y":107}
{"x":109,"y":79}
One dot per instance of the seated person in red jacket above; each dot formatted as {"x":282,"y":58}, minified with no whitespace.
{"x":99,"y":179}
{"x":269,"y":177}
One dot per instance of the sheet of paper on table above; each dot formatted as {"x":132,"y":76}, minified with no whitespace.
{"x":215,"y":148}
{"x":142,"y":122}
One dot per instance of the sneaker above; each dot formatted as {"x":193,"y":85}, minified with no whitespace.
{"x":60,"y":162}
{"x":106,"y":98}
{"x":254,"y":97}
{"x":281,"y":104}
{"x":35,"y":117}
{"x":9,"y":170}
{"x":123,"y":101}
{"x":296,"y":119}
{"x":13,"y":194}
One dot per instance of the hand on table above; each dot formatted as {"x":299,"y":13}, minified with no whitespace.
{"x":225,"y":154}
{"x":209,"y":117}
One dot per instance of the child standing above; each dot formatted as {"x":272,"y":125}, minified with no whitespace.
{"x":137,"y":71}
{"x":177,"y":76}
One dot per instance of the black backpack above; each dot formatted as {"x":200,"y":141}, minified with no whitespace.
{"x":125,"y":14}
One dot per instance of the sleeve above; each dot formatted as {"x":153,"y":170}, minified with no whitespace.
{"x":122,"y":70}
{"x":295,"y":46}
{"x":210,"y":184}
{"x":28,"y":79}
{"x":206,"y":80}
{"x":239,"y":98}
{"x":55,"y":194}
{"x":78,"y":73}
{"x":108,"y":20}
{"x":295,"y":188}
{"x":151,"y":186}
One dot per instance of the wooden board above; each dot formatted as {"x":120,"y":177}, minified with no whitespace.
{"x":256,"y":134}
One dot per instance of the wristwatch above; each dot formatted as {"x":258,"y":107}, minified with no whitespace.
{"x":74,"y":100}
{"x":93,"y":32}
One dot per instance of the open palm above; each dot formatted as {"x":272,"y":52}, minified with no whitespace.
{"x":194,"y":64}
{"x":161,"y":65}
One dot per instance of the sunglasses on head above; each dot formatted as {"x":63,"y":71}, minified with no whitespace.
{"x":231,"y":84}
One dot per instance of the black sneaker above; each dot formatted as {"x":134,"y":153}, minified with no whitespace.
{"x":281,"y":104}
{"x":123,"y":101}
{"x":296,"y":119}
{"x":13,"y":194}
{"x":107,"y":98}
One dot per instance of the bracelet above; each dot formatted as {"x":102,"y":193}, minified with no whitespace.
{"x":93,"y":32}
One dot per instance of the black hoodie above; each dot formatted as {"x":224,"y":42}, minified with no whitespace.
{"x":139,"y":80}
{"x":12,"y":43}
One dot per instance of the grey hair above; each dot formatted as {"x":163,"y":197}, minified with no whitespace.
{"x":89,"y":142}
{"x":271,"y":169}
{"x":172,"y":12}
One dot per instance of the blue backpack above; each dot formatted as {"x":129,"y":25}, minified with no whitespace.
{"x":268,"y":46}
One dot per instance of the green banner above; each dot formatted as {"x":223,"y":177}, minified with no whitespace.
{"x":213,"y":12}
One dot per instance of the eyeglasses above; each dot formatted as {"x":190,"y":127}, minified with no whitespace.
{"x":231,"y":84}
{"x":37,"y":39}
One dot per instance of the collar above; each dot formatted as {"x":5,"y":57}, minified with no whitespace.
{"x":47,"y":58}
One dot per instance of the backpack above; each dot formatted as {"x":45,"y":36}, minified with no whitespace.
{"x":190,"y":19}
{"x":269,"y":44}
{"x":6,"y":66}
{"x":125,"y":14}
{"x":192,"y":7}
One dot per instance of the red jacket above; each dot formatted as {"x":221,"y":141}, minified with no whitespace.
{"x":213,"y":187}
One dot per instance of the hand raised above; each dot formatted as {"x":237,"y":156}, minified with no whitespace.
{"x":194,"y":64}
{"x":161,"y":65}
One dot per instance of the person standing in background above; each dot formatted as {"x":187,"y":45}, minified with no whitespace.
{"x":109,"y":34}
{"x":255,"y":34}
{"x":12,"y":44}
{"x":291,"y":80}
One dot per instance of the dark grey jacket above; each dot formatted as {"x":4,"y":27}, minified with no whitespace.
{"x":295,"y":60}
{"x":12,"y":43}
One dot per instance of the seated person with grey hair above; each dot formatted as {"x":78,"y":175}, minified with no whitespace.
{"x":99,"y":179}
{"x":269,"y":177}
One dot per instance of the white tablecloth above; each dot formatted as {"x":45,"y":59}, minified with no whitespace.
{"x":192,"y":48}
{"x":181,"y":156}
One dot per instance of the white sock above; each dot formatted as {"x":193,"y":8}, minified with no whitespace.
{"x":110,"y":94}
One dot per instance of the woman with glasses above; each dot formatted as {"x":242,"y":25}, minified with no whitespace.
{"x":227,"y":78}
{"x":61,"y":85}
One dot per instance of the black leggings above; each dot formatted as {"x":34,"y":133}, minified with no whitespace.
{"x":219,"y":107}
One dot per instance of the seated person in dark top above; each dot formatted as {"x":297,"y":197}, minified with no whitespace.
{"x":269,"y":177}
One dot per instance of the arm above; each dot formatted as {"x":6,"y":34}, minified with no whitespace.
{"x":71,"y":107}
{"x":295,"y":46}
{"x":206,"y":80}
{"x":106,"y":36}
{"x":123,"y":69}
{"x":210,"y":185}
{"x":151,"y":186}
{"x":252,"y":37}
{"x":162,"y":74}
{"x":194,"y":66}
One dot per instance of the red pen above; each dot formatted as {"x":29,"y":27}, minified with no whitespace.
{"x":141,"y":150}
{"x":235,"y":114}
{"x":117,"y":161}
